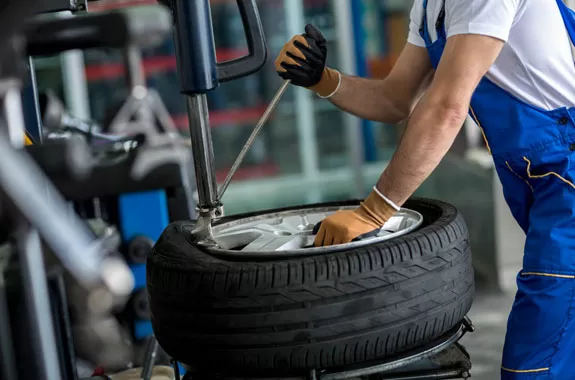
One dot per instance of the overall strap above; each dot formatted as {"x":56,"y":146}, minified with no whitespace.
{"x":439,"y":25}
{"x":568,"y":16}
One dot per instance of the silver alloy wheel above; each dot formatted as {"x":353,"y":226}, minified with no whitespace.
{"x":290,"y":233}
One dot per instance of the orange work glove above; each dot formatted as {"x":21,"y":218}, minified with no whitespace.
{"x":347,"y":225}
{"x":302,"y":60}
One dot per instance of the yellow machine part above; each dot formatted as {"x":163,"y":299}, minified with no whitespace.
{"x":27,"y":139}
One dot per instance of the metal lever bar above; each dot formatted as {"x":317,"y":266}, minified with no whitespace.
{"x":261,"y":122}
{"x":150,"y":359}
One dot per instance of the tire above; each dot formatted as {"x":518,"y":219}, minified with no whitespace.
{"x":316,"y":312}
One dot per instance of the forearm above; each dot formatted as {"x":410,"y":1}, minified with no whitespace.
{"x":429,"y":135}
{"x":369,"y":99}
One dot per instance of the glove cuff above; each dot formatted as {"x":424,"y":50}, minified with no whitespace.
{"x":393,"y":205}
{"x":378,"y":207}
{"x":329,"y":83}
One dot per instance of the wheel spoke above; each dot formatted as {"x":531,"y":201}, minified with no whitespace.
{"x":274,"y":229}
{"x":271,"y":242}
{"x":301,"y":223}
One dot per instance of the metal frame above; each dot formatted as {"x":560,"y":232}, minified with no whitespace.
{"x":35,"y":209}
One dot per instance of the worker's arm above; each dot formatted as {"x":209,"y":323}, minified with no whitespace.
{"x":389,"y":100}
{"x":430,"y":132}
{"x":392,"y":99}
{"x":438,"y":117}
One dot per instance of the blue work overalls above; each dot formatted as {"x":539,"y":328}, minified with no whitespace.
{"x":534,"y":154}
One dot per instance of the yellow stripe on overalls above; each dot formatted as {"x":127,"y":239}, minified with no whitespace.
{"x":481,"y":128}
{"x":526,"y":370}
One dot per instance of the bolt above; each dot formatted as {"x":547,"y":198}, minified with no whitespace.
{"x":141,"y":305}
{"x":139,"y":249}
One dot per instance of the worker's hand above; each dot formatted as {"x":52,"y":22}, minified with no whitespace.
{"x":347,"y":225}
{"x":302,"y":60}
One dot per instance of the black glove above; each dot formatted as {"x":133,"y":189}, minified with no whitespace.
{"x":303,"y":61}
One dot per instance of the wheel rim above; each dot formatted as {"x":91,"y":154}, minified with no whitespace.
{"x":290,"y":233}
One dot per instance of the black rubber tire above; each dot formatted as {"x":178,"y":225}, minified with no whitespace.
{"x":318,"y":312}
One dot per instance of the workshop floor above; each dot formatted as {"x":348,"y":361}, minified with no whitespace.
{"x":489,"y":315}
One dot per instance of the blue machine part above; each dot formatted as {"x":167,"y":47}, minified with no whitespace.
{"x":142,"y":329}
{"x":30,"y":106}
{"x":195,"y":47}
{"x":142,"y":214}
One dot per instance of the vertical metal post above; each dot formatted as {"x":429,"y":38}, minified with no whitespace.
{"x":346,"y":58}
{"x":203,"y":151}
{"x":37,"y":302}
{"x":134,"y":70}
{"x":7,"y":353}
{"x":357,"y":12}
{"x":195,"y":46}
{"x":74,"y":79}
{"x":136,"y":78}
{"x":197,"y":71}
{"x":75,"y":84}
{"x":304,"y":103}
{"x":13,"y":113}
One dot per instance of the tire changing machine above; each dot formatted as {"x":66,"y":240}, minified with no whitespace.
{"x":198,"y":74}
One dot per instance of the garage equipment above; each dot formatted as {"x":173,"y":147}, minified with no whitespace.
{"x":199,"y":73}
{"x":157,"y":160}
{"x":35,"y":209}
{"x":33,"y":202}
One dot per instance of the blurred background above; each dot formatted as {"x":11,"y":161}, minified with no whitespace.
{"x":310,"y":151}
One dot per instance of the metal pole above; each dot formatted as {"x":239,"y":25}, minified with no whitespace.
{"x":37,"y":302}
{"x":346,"y":58}
{"x":203,"y":151}
{"x":150,"y":359}
{"x":74,"y":81}
{"x":13,"y":114}
{"x":75,"y":84}
{"x":304,"y":104}
{"x":197,"y":72}
{"x":7,"y":354}
{"x":136,"y":78}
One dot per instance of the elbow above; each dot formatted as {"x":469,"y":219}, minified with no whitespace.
{"x":451,"y":114}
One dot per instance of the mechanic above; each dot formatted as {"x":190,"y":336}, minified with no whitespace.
{"x":509,"y":63}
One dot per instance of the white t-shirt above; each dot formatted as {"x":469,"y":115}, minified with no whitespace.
{"x":536,"y":63}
